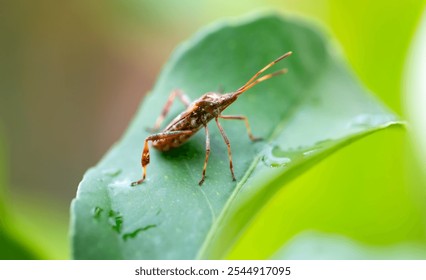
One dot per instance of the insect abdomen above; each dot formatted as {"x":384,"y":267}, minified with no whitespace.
{"x":175,"y":141}
{"x":170,"y":143}
{"x":193,"y":122}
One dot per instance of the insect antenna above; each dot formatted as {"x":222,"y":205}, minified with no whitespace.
{"x":253,"y":81}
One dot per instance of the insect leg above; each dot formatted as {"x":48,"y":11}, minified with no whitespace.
{"x":225,"y":138}
{"x":207,"y":156}
{"x":145,"y":152}
{"x":244,"y":118}
{"x":185,"y":100}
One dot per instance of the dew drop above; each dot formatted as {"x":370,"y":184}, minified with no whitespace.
{"x":310,"y":152}
{"x":324,"y":143}
{"x":115,"y":219}
{"x":120,"y":183}
{"x":134,"y":233}
{"x":365,"y":120}
{"x":276,"y":158}
{"x":96,"y":212}
{"x":279,"y":162}
{"x":112,"y":172}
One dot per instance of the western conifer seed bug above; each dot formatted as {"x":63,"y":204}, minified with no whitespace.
{"x":197,"y":115}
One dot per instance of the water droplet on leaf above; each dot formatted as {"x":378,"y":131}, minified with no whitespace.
{"x":96,"y":212}
{"x":112,"y":172}
{"x":134,"y":233}
{"x":115,"y":219}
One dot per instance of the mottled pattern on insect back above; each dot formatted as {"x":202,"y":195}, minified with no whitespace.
{"x":196,"y":116}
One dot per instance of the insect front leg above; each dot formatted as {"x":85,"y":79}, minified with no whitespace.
{"x":244,"y":118}
{"x":145,"y":151}
{"x":207,"y":156}
{"x":225,"y":138}
{"x":183,"y":97}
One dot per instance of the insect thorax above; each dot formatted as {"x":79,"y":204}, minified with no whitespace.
{"x":207,"y":107}
{"x":201,"y":111}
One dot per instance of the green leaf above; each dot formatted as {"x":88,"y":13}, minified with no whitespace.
{"x":317,"y":245}
{"x":317,"y":108}
{"x":12,"y":248}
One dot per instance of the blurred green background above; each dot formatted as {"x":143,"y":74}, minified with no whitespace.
{"x":73,"y":74}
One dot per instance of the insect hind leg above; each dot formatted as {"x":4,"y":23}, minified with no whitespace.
{"x":144,"y":162}
{"x":145,"y":152}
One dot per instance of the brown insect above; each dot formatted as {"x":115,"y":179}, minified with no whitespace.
{"x":197,"y":115}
